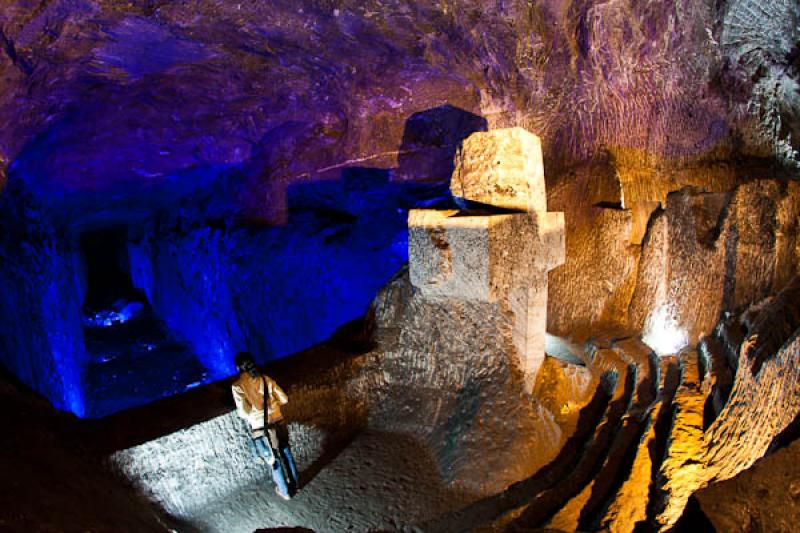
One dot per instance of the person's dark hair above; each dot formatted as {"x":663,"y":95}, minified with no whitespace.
{"x":245,"y":363}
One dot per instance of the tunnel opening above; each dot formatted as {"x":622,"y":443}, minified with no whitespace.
{"x":108,"y":279}
{"x":133,"y":357}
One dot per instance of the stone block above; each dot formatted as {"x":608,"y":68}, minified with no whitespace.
{"x":502,"y":168}
{"x":449,"y":254}
{"x":503,"y":257}
{"x":482,"y":258}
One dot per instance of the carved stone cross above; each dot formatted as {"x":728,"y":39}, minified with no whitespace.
{"x":494,"y":255}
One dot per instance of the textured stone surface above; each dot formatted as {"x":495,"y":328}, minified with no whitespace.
{"x":593,"y":289}
{"x":113,"y":111}
{"x":211,"y":112}
{"x":136,"y":94}
{"x":759,"y":408}
{"x":681,"y":280}
{"x":449,"y":255}
{"x":682,"y":465}
{"x":764,"y":497}
{"x":492,"y":257}
{"x":459,"y":255}
{"x":427,"y":400}
{"x":708,"y":253}
{"x":45,"y":349}
{"x":502,"y":168}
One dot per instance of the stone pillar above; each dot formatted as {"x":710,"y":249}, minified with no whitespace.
{"x":498,"y":254}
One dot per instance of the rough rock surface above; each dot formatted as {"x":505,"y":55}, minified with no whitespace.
{"x":762,"y":498}
{"x":681,"y":277}
{"x":709,"y":253}
{"x":213,"y":112}
{"x":593,"y":289}
{"x":759,"y":408}
{"x":206,"y":114}
{"x":502,"y":168}
{"x":157,"y":90}
{"x":426,"y":398}
{"x":466,"y":255}
{"x":704,"y":254}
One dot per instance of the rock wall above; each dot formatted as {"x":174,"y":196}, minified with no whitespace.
{"x":186,"y":471}
{"x":703,"y":254}
{"x":213,"y":113}
{"x":710,"y":253}
{"x":276,"y":291}
{"x":42,"y":340}
{"x":762,"y":404}
{"x":764,"y":497}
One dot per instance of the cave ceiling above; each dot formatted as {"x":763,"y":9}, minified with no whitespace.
{"x":113,"y":100}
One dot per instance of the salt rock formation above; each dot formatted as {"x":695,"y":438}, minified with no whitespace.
{"x":502,"y":168}
{"x":494,"y":257}
{"x":212,"y":84}
{"x":458,"y":398}
{"x":763,"y":497}
{"x":210,"y":113}
{"x":761,"y":405}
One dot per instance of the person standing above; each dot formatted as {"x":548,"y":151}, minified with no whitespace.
{"x":258,"y":401}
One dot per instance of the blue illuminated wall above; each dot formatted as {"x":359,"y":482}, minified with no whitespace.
{"x":40,"y":302}
{"x":277,"y":290}
{"x":217,"y":279}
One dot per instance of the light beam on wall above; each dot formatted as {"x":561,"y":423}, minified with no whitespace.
{"x":662,"y":332}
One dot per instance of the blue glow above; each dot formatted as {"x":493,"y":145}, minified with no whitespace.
{"x":67,"y":348}
{"x":120,"y":313}
{"x":213,"y":286}
{"x":279,"y":290}
{"x":41,"y":341}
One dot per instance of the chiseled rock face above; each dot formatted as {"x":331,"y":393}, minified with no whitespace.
{"x":594,"y":286}
{"x":766,"y":497}
{"x":502,"y":168}
{"x":708,"y":253}
{"x":449,"y":255}
{"x":482,"y":257}
{"x":464,"y":255}
{"x":417,"y":384}
{"x":763,"y":402}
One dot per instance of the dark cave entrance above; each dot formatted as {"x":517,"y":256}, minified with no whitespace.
{"x":133,"y":357}
{"x":108,"y":277}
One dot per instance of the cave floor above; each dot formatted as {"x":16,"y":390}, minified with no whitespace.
{"x":378,"y":482}
{"x":135,"y":363}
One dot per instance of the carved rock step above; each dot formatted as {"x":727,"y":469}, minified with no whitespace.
{"x":619,"y":463}
{"x":586,"y":510}
{"x":628,"y":509}
{"x":685,"y":445}
{"x":543,"y":506}
{"x":641,"y":357}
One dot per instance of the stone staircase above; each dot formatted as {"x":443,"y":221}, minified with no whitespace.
{"x":614,"y":472}
{"x":660,"y":428}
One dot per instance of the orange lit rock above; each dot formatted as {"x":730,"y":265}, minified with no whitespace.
{"x":502,"y":168}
